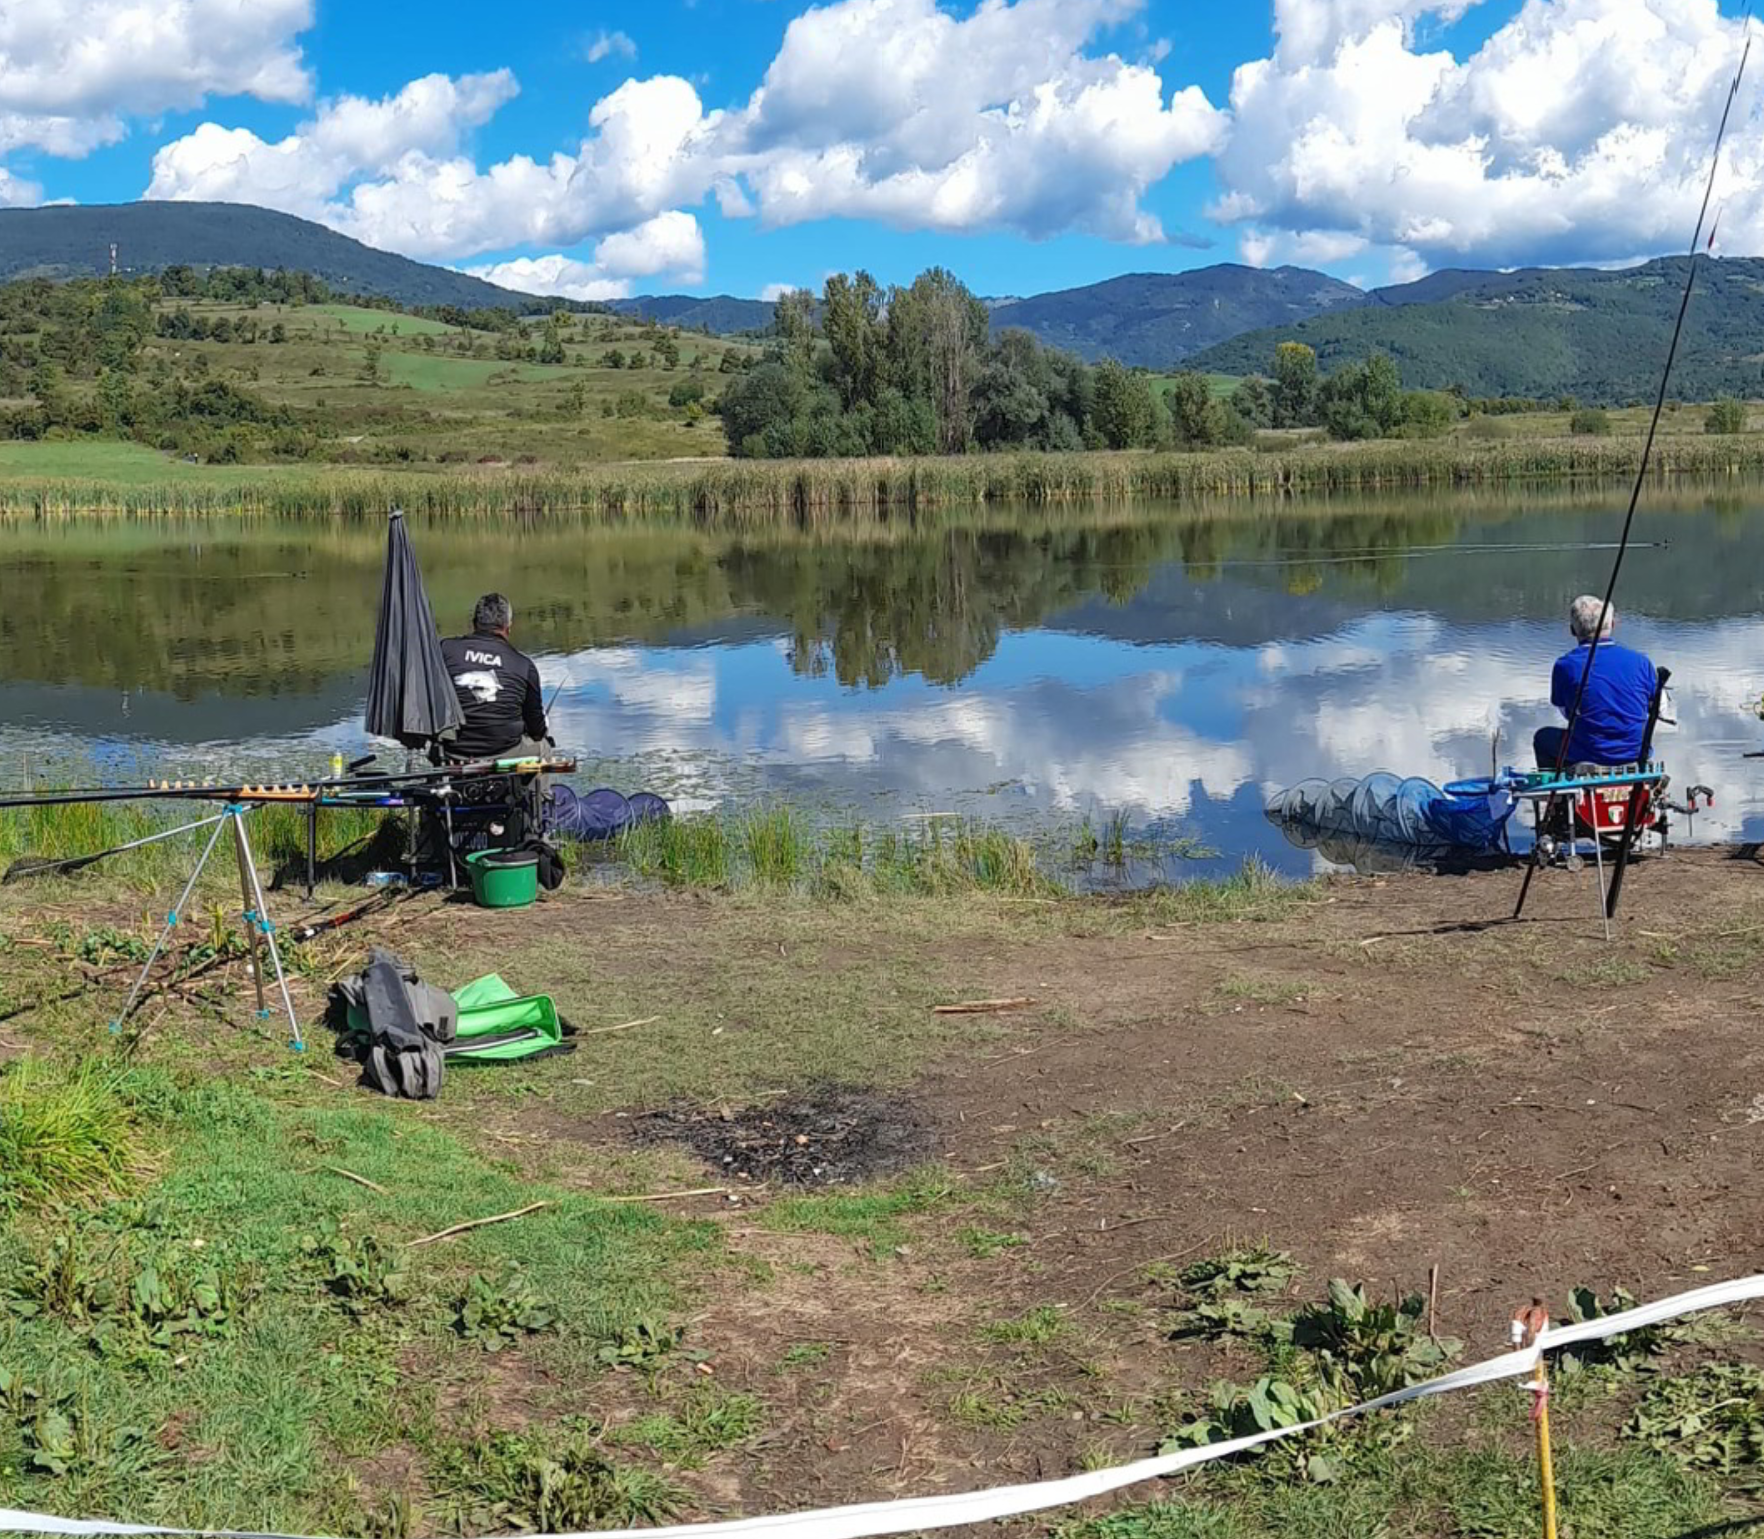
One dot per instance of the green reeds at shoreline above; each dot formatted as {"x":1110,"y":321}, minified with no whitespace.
{"x":775,"y":849}
{"x":772,"y":850}
{"x":760,"y":493}
{"x":778,"y":850}
{"x":68,"y":831}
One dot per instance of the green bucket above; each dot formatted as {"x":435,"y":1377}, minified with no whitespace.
{"x":503,"y":878}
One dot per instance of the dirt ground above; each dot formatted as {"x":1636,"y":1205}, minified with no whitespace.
{"x":1383,"y":1085}
{"x":1387,"y":1079}
{"x":1391,"y":1082}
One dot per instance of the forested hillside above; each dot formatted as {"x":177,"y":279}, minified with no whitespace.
{"x":1157,"y":320}
{"x":75,"y":241}
{"x":1598,"y":336}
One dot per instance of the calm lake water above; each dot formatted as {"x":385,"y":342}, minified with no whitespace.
{"x":1175,"y":666}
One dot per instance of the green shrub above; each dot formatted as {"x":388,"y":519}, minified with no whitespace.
{"x":1726,"y":416}
{"x":1488,"y":429}
{"x":1590,"y":422}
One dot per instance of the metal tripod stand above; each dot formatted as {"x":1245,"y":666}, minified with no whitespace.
{"x":259,"y":930}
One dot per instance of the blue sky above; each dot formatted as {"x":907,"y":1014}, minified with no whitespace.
{"x":740,"y":145}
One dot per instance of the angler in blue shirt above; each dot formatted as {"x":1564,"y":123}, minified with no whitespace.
{"x":1614,"y":711}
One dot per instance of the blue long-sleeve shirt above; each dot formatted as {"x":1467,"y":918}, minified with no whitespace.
{"x":1614,"y":714}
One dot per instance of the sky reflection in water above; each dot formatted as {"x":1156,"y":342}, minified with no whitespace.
{"x":1177,"y":670}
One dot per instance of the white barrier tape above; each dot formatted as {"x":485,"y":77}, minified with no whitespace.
{"x":870,"y":1520}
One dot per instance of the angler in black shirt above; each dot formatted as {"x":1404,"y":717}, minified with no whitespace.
{"x":498,"y":687}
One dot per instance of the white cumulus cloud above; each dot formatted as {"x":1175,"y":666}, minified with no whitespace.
{"x":303,"y":171}
{"x":72,"y":70}
{"x":670,"y":245}
{"x":895,"y":110}
{"x":1010,"y":118}
{"x":1580,"y":130}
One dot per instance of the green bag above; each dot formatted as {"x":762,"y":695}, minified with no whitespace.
{"x":497,"y":1025}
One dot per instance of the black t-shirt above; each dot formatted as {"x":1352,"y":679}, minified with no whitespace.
{"x":498,"y":689}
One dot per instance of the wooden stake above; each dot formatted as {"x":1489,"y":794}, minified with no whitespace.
{"x":1528,"y":1325}
{"x":475,"y":1223}
{"x":982,"y":1006}
{"x":1545,"y":1465}
{"x":697,"y":1191}
{"x":350,"y":1175}
{"x":595,"y":1031}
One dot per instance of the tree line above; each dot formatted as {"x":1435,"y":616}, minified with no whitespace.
{"x":864,"y":370}
{"x":859,"y":370}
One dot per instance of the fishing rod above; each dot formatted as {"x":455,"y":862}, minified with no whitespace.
{"x":1641,"y":471}
{"x":299,"y":792}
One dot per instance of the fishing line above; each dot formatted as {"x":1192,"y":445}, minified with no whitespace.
{"x":1641,"y":470}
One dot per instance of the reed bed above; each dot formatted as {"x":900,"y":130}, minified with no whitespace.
{"x":69,"y":831}
{"x":755,"y":494}
{"x":777,"y":849}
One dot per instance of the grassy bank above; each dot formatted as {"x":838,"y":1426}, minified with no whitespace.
{"x":1112,"y":1225}
{"x":755,"y":493}
{"x":769,"y":849}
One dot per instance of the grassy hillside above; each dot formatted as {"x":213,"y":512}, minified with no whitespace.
{"x":1157,"y":320}
{"x":400,"y":388}
{"x":347,"y":385}
{"x":1599,"y":336}
{"x":75,"y":241}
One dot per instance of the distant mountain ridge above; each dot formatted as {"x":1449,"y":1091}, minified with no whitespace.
{"x":1597,"y":334}
{"x":1593,"y":333}
{"x":722,"y":313}
{"x":73,"y":241}
{"x":1161,"y":319}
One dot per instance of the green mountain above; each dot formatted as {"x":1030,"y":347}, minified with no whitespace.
{"x":1600,"y":336}
{"x":75,"y":241}
{"x":1162,"y":319}
{"x":721,"y":313}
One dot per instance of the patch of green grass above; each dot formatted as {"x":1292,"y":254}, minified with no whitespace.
{"x":707,"y":1422}
{"x":873,"y":1216}
{"x":805,"y":1354}
{"x":545,"y":1481}
{"x":1034,"y":1328}
{"x":269,"y":1386}
{"x":361,"y":320}
{"x":1606,"y":972}
{"x":775,"y":845}
{"x":777,"y":849}
{"x":65,"y":1135}
{"x":1254,"y":892}
{"x":1413,"y":1490}
{"x":1003,"y":1407}
{"x":688,"y":852}
{"x":984,"y":1244}
{"x":1626,"y":1494}
{"x":1265,"y":991}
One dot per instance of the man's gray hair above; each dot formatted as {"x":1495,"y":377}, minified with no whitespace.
{"x":494,"y":613}
{"x":1583,"y":618}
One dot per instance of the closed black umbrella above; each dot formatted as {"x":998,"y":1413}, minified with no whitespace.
{"x":410,"y":696}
